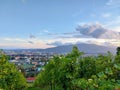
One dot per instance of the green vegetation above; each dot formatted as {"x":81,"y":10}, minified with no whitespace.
{"x":118,"y":51}
{"x":10,"y":77}
{"x":75,"y":71}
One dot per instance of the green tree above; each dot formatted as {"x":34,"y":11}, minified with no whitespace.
{"x":118,"y":51}
{"x":74,"y":54}
{"x":87,"y":67}
{"x":10,"y":77}
{"x":60,"y":71}
{"x":76,"y":72}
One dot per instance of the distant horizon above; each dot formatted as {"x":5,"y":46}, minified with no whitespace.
{"x":46,"y":24}
{"x":55,"y":46}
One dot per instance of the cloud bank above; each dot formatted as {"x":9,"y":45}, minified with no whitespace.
{"x":85,"y":33}
{"x":97,"y":31}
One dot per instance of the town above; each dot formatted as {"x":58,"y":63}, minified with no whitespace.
{"x":29,"y":63}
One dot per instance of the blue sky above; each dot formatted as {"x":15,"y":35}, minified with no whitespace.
{"x":47,"y":20}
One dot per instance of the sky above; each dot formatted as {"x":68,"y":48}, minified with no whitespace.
{"x":48,"y":23}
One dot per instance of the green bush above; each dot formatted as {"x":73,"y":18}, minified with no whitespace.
{"x":75,"y":71}
{"x":10,"y":77}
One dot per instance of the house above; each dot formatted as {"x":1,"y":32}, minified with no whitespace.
{"x":30,"y":79}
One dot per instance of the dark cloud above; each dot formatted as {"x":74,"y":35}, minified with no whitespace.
{"x":32,"y":36}
{"x":70,"y":33}
{"x":91,"y":30}
{"x":30,"y":42}
{"x":97,"y":31}
{"x":81,"y":36}
{"x":59,"y":43}
{"x":52,"y":34}
{"x":65,"y":33}
{"x":49,"y":33}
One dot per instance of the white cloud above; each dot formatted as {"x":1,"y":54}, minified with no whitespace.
{"x":113,"y":23}
{"x":103,"y":42}
{"x":109,"y":2}
{"x":66,"y":40}
{"x":45,"y":31}
{"x":113,"y":3}
{"x":117,"y":29}
{"x":38,"y":43}
{"x":24,"y":1}
{"x":14,"y":39}
{"x":106,"y":15}
{"x":47,"y":43}
{"x":23,"y":43}
{"x":90,"y":23}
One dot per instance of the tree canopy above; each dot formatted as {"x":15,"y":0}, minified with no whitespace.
{"x":75,"y":71}
{"x":10,"y":77}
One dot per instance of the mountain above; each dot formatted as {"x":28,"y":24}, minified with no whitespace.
{"x":86,"y":48}
{"x":90,"y":49}
{"x":98,"y":31}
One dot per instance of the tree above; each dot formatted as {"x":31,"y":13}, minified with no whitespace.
{"x":118,"y":51}
{"x":10,"y":77}
{"x":75,"y":53}
{"x":73,"y":72}
{"x":60,"y":71}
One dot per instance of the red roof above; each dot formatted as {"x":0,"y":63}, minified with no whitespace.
{"x":31,"y":78}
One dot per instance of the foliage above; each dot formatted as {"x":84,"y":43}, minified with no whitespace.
{"x":10,"y":77}
{"x":75,"y":71}
{"x":118,"y":51}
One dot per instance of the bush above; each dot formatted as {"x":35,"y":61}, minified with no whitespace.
{"x":10,"y":77}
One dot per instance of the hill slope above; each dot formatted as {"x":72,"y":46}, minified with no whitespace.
{"x":87,"y":48}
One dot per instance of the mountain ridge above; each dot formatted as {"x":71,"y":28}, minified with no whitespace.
{"x":83,"y":47}
{"x":86,"y":48}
